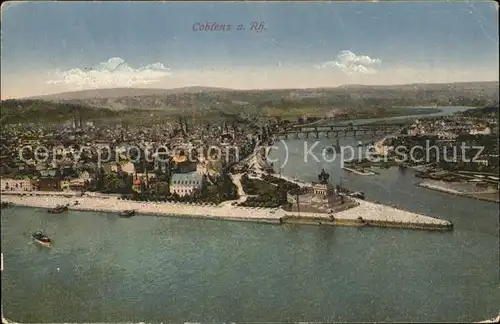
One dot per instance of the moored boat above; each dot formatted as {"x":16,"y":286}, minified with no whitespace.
{"x":360,"y":222}
{"x":357,"y":194}
{"x":6,"y":204}
{"x":58,"y":209}
{"x":42,"y":239}
{"x":493,"y":320}
{"x":127,"y":213}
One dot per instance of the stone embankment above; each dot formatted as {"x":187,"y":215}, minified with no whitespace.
{"x":368,"y":214}
{"x":442,"y":186}
{"x":115,"y":205}
{"x":365,"y":214}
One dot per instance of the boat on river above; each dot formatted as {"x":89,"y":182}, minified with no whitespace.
{"x":58,"y":209}
{"x":42,"y":239}
{"x":127,"y":213}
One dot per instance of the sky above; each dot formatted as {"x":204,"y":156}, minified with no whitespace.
{"x":52,"y":47}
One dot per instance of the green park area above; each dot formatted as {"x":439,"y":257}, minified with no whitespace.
{"x":269,"y":192}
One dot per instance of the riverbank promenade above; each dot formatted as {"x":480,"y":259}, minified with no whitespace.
{"x":365,"y":214}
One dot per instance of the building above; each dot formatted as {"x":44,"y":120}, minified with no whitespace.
{"x":17,"y":185}
{"x":381,"y":149}
{"x":227,"y":137}
{"x":480,"y":131}
{"x":137,"y":184}
{"x":49,"y":184}
{"x":65,"y":185}
{"x":162,"y":163}
{"x":48,"y":173}
{"x":185,"y":184}
{"x":85,"y":176}
{"x":127,"y":167}
{"x":77,"y":185}
{"x":73,"y":185}
{"x":321,"y":197}
{"x":182,"y":163}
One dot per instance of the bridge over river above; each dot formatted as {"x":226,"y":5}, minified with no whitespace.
{"x":341,"y":130}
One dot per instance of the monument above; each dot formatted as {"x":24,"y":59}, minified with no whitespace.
{"x":321,"y":197}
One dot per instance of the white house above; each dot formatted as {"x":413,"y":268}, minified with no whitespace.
{"x":185,"y":184}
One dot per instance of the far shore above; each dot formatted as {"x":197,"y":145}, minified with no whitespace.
{"x":365,"y":214}
{"x":442,"y":186}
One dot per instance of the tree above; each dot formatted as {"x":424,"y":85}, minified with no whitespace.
{"x":162,"y":189}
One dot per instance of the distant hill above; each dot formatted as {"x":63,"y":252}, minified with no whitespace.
{"x":426,"y":86}
{"x":14,"y":111}
{"x":279,"y":101}
{"x":122,"y":92}
{"x":138,"y":98}
{"x":145,"y":104}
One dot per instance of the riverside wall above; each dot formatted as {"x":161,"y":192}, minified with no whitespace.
{"x":371,"y":214}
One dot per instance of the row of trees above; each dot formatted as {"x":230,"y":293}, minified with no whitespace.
{"x":272,"y":192}
{"x":118,"y":183}
{"x":289,"y":186}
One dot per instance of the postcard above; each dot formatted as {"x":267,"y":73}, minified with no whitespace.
{"x":191,"y":162}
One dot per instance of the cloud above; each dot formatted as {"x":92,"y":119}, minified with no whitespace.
{"x":350,"y":63}
{"x":113,"y":73}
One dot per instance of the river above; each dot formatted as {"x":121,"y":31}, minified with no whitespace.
{"x":103,"y":268}
{"x":436,"y":112}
